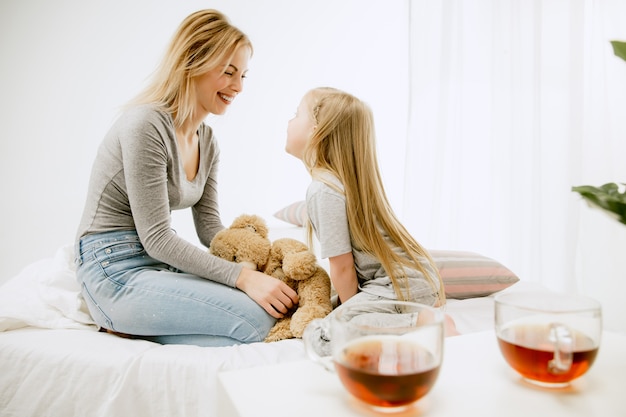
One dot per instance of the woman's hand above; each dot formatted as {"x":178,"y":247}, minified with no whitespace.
{"x":272,"y":294}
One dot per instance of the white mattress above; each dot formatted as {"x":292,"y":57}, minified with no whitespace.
{"x":54,"y":362}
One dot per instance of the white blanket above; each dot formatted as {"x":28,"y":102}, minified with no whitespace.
{"x":54,"y":362}
{"x":45,"y":294}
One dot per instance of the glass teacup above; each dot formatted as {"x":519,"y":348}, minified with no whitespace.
{"x":549,"y":339}
{"x":386,"y":353}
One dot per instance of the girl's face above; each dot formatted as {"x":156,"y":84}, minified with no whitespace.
{"x":216,"y":89}
{"x":300,"y":129}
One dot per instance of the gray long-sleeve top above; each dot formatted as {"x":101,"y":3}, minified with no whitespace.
{"x":138,"y":178}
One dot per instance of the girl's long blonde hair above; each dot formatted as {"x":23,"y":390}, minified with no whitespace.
{"x":202,"y":42}
{"x":344,"y":144}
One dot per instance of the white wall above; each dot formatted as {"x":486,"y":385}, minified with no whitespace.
{"x":67,"y":65}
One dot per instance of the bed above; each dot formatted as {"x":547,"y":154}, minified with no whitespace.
{"x":55,"y":362}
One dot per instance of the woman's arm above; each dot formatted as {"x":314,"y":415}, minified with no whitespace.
{"x":343,"y":276}
{"x":146,"y":139}
{"x":205,"y":212}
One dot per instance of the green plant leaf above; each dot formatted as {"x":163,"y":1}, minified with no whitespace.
{"x":619,"y":49}
{"x":606,"y":197}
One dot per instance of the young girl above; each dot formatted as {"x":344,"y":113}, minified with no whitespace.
{"x":138,"y":276}
{"x":371,"y":254}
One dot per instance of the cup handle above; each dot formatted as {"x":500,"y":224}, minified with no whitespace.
{"x":563,"y":347}
{"x":309,"y":337}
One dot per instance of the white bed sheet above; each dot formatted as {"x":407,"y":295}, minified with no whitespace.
{"x":86,"y":373}
{"x":54,"y":362}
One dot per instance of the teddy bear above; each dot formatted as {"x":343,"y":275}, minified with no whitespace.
{"x":292,"y":262}
{"x":246,"y":241}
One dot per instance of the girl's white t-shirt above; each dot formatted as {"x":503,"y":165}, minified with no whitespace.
{"x":326,"y":208}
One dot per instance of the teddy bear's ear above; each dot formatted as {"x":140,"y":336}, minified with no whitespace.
{"x":287,"y":245}
{"x":221,"y":247}
{"x":252,"y":222}
{"x":299,"y":265}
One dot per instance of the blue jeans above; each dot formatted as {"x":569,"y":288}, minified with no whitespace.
{"x":129,"y":292}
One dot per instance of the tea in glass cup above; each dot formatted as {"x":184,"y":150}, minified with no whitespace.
{"x":549,"y":339}
{"x":387,"y":354}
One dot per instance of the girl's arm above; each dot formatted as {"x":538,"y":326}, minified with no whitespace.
{"x":343,"y":276}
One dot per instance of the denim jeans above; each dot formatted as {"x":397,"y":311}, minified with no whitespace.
{"x":129,"y":292}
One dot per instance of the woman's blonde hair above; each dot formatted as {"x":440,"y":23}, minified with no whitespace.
{"x":344,"y":144}
{"x":202,"y":42}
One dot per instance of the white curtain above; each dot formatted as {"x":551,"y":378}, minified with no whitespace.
{"x":511,"y":104}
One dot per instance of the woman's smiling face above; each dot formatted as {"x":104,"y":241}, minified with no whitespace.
{"x":216,"y":89}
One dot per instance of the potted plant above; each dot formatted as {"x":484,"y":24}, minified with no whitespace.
{"x":608,"y":197}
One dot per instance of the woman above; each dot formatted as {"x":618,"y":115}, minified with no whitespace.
{"x":138,"y":277}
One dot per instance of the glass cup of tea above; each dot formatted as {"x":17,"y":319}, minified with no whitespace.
{"x":549,"y":339}
{"x":387,"y":354}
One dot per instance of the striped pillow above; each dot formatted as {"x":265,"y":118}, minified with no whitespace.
{"x":468,"y":274}
{"x":294,"y":213}
{"x":464,"y":274}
